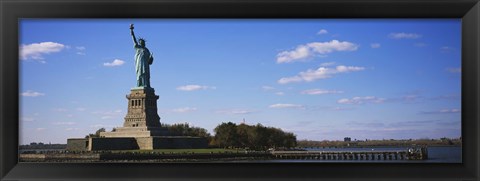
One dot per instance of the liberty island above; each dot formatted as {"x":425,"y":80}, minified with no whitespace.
{"x":142,"y":130}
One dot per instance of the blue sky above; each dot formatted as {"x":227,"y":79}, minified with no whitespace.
{"x":320,"y":79}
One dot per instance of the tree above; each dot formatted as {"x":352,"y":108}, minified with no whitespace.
{"x":186,"y":130}
{"x":226,"y":135}
{"x":257,"y":137}
{"x":261,"y":135}
{"x":243,"y":135}
{"x":290,"y":140}
{"x":97,"y":133}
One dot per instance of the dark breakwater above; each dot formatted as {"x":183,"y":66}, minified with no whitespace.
{"x":134,"y":157}
{"x":286,"y":156}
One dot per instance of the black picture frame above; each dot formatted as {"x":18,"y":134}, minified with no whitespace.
{"x":11,"y":11}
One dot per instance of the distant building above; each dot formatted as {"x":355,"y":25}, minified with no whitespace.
{"x":347,"y":139}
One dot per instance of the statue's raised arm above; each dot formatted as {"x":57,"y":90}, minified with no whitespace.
{"x":133,"y":35}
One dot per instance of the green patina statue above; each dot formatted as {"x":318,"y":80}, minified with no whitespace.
{"x":143,"y":60}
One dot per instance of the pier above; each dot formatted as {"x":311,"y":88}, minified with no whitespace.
{"x":409,"y":154}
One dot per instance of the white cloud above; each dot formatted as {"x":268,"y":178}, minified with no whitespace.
{"x":297,"y":106}
{"x":442,"y":111}
{"x":184,"y":109}
{"x":235,"y":111}
{"x":115,"y":112}
{"x":63,"y":123}
{"x":320,"y":73}
{"x":37,"y":50}
{"x":341,"y":108}
{"x":27,"y":119}
{"x":343,"y":69}
{"x":301,"y":52}
{"x":454,"y":70}
{"x":269,"y":88}
{"x":375,"y":45}
{"x":411,"y":98}
{"x":194,"y":87}
{"x":322,"y":31}
{"x":108,"y":114}
{"x":404,"y":35}
{"x":81,"y":48}
{"x":420,"y":44}
{"x":449,"y":111}
{"x":72,"y":129}
{"x":446,"y":49}
{"x":286,"y":80}
{"x":116,"y":62}
{"x":361,"y":100}
{"x":81,"y":109}
{"x":102,"y":126}
{"x":320,"y":91}
{"x":30,"y":93}
{"x":334,"y":45}
{"x":40,"y":129}
{"x":314,"y":48}
{"x":280,"y":93}
{"x":59,"y":109}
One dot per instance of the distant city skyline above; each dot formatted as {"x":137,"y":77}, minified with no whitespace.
{"x":322,"y":79}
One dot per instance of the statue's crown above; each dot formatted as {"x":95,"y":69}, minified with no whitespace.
{"x":142,"y":39}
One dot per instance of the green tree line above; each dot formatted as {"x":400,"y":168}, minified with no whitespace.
{"x":259,"y":137}
{"x":184,"y":129}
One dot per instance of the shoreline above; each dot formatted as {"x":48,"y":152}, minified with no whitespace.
{"x":419,"y":153}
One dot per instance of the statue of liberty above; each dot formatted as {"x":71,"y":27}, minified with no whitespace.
{"x":143,"y":60}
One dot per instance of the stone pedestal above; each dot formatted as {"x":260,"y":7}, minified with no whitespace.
{"x":142,"y":108}
{"x":142,"y":119}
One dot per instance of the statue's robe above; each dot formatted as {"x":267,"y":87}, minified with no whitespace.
{"x":142,"y":68}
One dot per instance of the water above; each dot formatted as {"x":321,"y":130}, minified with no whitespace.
{"x":445,"y":154}
{"x":435,"y":155}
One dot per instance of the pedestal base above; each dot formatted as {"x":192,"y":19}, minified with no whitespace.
{"x":142,"y":143}
{"x":135,"y":132}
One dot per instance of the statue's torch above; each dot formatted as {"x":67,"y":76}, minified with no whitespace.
{"x":131,"y":26}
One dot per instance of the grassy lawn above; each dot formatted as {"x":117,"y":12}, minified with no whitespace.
{"x":207,"y":150}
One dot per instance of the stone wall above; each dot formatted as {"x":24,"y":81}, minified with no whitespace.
{"x":136,"y":132}
{"x":77,"y":144}
{"x":142,"y":143}
{"x":178,"y":142}
{"x":145,"y":143}
{"x":112,"y":144}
